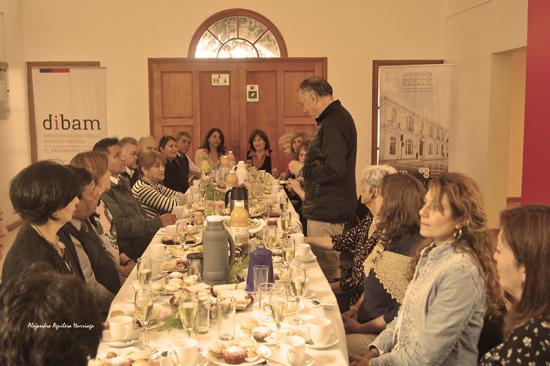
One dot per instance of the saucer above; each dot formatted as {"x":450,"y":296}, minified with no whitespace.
{"x":134,"y":338}
{"x":324,"y":346}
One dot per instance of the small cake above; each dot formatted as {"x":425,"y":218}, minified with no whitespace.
{"x":217,"y":350}
{"x":176,"y":275}
{"x":175,"y":282}
{"x":234,"y":355}
{"x":260,"y":333}
{"x":249,"y":325}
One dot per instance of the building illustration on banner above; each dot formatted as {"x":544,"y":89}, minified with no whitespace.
{"x":414,"y":115}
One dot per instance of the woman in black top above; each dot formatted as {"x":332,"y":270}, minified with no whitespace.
{"x":388,"y":267}
{"x":44,"y":194}
{"x":176,"y":170}
{"x":259,"y":151}
{"x":522,"y":252}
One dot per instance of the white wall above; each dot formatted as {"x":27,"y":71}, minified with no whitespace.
{"x":122,"y":34}
{"x":14,"y":131}
{"x":474,"y":32}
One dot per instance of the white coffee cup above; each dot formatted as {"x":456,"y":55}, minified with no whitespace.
{"x":304,"y":325}
{"x":158,"y":250}
{"x":303,"y":250}
{"x":320,"y":330}
{"x":186,"y":351}
{"x":295,"y":349}
{"x":121,"y":327}
{"x":297,"y":238}
{"x":171,"y":230}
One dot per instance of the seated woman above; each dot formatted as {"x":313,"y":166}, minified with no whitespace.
{"x":176,"y":174}
{"x":37,"y":298}
{"x":155,"y":198}
{"x":296,"y":141}
{"x":388,"y":268}
{"x":361,"y":239}
{"x":44,"y":194}
{"x":212,"y":149}
{"x":259,"y":151}
{"x":455,"y":283}
{"x":96,"y":163}
{"x":522,"y":253}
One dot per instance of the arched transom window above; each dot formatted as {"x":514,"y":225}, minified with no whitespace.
{"x":237,"y":33}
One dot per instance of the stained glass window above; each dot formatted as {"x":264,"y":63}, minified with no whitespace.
{"x":237,"y":36}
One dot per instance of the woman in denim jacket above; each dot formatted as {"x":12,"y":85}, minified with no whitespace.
{"x":453,"y":286}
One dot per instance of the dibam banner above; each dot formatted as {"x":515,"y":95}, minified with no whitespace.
{"x":70,"y":110}
{"x":415,"y":117}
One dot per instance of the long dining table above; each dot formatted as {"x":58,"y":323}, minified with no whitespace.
{"x":161,"y":338}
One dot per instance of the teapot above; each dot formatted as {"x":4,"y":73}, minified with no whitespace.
{"x":239,"y":193}
{"x":217,"y":243}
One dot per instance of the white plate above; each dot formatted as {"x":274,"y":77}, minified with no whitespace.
{"x":308,"y":360}
{"x":134,"y":338}
{"x":325,"y":346}
{"x":265,"y":351}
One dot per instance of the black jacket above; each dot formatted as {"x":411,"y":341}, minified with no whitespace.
{"x":176,"y":174}
{"x":29,"y":247}
{"x":103,"y":266}
{"x":329,"y":169}
{"x":134,"y":229}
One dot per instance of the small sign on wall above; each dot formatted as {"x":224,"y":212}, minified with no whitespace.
{"x":252,"y":93}
{"x":220,"y":79}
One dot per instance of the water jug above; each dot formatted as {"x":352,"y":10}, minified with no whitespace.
{"x":238,"y":193}
{"x":259,"y":256}
{"x":218,"y":252}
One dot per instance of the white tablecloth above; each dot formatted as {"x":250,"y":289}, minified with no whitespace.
{"x":335,"y":355}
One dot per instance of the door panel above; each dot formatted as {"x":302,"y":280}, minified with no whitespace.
{"x":182,"y":98}
{"x":262,"y":114}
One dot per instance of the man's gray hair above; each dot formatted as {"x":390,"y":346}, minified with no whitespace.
{"x":373,"y":175}
{"x":128,"y":141}
{"x":316,"y":84}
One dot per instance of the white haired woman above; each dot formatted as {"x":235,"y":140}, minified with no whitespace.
{"x":360,"y":239}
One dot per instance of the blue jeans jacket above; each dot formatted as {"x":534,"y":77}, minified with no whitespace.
{"x":441,"y":316}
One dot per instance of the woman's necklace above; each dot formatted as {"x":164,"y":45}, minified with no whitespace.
{"x":57,"y":245}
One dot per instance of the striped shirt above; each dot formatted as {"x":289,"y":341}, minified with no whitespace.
{"x":156,"y":199}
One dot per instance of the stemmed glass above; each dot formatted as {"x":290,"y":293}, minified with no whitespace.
{"x":144,"y":310}
{"x":277,"y":304}
{"x":288,"y":251}
{"x":187,"y":309}
{"x":285,"y":222}
{"x":298,"y":282}
{"x":144,"y":271}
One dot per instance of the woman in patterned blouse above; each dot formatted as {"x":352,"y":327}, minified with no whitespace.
{"x":523,"y":249}
{"x":388,"y":268}
{"x":362,"y":238}
{"x":155,"y":198}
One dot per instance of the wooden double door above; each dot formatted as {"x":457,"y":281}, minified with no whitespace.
{"x":195,"y":95}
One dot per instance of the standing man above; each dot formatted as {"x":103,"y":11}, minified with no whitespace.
{"x":130,"y":149}
{"x":329,"y":169}
{"x":134,"y":229}
{"x":183,"y":140}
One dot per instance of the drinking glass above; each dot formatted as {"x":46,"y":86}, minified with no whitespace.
{"x":283,"y":203}
{"x":270,"y":237}
{"x":187,"y":310}
{"x":181,"y":229}
{"x":144,"y":310}
{"x":144,"y":271}
{"x":289,"y":251}
{"x":264,"y":291}
{"x":277,"y":304}
{"x":226,"y":307}
{"x":285,"y":222}
{"x":260,"y":276}
{"x":202,"y":322}
{"x":298,"y":282}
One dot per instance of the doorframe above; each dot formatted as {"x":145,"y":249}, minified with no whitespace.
{"x":375,"y":70}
